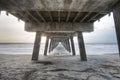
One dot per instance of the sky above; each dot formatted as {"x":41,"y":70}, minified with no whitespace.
{"x":12,"y":31}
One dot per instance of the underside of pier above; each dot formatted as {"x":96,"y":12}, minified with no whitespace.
{"x":61,"y":20}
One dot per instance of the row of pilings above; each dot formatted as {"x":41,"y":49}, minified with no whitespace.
{"x":53,"y":40}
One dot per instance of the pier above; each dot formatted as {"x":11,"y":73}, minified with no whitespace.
{"x":61,"y":20}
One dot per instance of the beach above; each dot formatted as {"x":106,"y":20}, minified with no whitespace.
{"x":98,"y":67}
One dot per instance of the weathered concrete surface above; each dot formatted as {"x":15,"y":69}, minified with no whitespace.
{"x":59,"y":39}
{"x":53,"y":44}
{"x":46,"y":45}
{"x":72,"y":45}
{"x":116,"y":14}
{"x":81,"y":47}
{"x":59,"y":5}
{"x":66,"y":44}
{"x":63,"y":40}
{"x":60,"y":34}
{"x":36,"y":48}
{"x":58,"y":10}
{"x":83,"y":27}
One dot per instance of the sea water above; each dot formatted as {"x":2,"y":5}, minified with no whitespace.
{"x":27,"y":48}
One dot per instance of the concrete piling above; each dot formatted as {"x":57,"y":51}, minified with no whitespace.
{"x":81,"y":47}
{"x":36,"y":48}
{"x":46,"y":46}
{"x":72,"y":46}
{"x":116,"y":14}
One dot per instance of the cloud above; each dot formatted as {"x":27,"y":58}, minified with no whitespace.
{"x":13,"y":31}
{"x":104,"y":31}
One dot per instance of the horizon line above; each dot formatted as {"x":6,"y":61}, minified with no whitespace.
{"x":74,"y":42}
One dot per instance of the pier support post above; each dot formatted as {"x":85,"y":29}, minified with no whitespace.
{"x":50,"y":45}
{"x":46,"y":46}
{"x":72,"y":46}
{"x":81,"y":47}
{"x":68,"y":44}
{"x":36,"y":48}
{"x":116,"y":14}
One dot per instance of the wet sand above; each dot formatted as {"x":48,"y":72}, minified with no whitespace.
{"x":20,"y":67}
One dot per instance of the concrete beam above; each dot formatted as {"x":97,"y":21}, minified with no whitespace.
{"x":83,"y":27}
{"x":68,"y":15}
{"x":36,"y":48}
{"x":116,"y":14}
{"x":1,"y":8}
{"x":34,"y":18}
{"x":59,"y":5}
{"x":60,"y":35}
{"x":55,"y":45}
{"x":66,"y":44}
{"x":59,"y":39}
{"x":93,"y":17}
{"x":85,"y":17}
{"x":58,"y":16}
{"x":76,"y":17}
{"x":55,"y":41}
{"x":51,"y":18}
{"x":39,"y":14}
{"x":81,"y":47}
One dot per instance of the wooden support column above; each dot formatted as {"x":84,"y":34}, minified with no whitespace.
{"x":46,"y":46}
{"x":116,"y":14}
{"x":81,"y":47}
{"x":36,"y":48}
{"x":72,"y":46}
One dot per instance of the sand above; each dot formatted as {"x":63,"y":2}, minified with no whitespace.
{"x":20,"y":67}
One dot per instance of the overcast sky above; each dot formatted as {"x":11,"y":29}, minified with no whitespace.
{"x":12,"y":31}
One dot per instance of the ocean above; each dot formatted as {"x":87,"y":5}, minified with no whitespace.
{"x":27,"y":48}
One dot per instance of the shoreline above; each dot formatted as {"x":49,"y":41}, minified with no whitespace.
{"x":40,"y":54}
{"x":20,"y":67}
